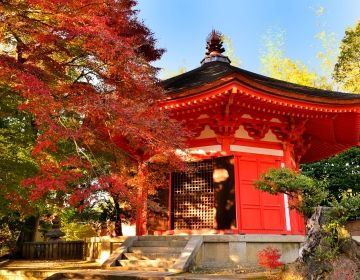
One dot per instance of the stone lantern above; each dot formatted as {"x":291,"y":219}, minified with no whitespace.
{"x":55,"y":233}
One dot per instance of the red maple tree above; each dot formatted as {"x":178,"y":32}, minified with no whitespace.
{"x":269,"y":258}
{"x":84,"y":68}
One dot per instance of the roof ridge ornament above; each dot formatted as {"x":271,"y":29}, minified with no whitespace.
{"x":214,"y":48}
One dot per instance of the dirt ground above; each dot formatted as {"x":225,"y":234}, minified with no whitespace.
{"x":92,"y":268}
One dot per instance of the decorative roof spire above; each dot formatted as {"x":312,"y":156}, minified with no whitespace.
{"x":214,"y":44}
{"x":214,"y":47}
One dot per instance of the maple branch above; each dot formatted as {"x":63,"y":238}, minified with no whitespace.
{"x":113,"y":150}
{"x":79,"y":150}
{"x":19,"y":48}
{"x":59,"y":59}
{"x":92,"y":154}
{"x":83,"y":74}
{"x":73,"y":60}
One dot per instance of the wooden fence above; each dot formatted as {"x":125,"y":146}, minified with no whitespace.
{"x":98,"y":248}
{"x":93,"y":250}
{"x":58,"y":250}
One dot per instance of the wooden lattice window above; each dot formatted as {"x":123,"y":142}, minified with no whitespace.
{"x":205,"y":196}
{"x":193,"y":197}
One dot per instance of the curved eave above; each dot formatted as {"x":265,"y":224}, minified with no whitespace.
{"x":333,"y":117}
{"x":247,"y":83}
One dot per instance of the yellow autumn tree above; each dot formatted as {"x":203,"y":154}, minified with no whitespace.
{"x":275,"y":64}
{"x":347,"y":68}
{"x":230,"y":50}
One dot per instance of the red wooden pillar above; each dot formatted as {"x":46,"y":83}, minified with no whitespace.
{"x":296,"y":219}
{"x":237,"y":194}
{"x":288,"y":155}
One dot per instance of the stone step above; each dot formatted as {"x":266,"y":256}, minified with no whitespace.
{"x":164,"y":237}
{"x":143,"y":269}
{"x":151,"y":256}
{"x":159,"y":243}
{"x":142,"y":264}
{"x":155,"y":250}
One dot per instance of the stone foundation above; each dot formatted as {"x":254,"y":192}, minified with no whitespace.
{"x":232,"y":251}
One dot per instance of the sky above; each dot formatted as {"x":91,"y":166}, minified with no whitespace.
{"x":181,"y":27}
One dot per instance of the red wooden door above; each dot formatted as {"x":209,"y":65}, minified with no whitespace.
{"x":259,"y":212}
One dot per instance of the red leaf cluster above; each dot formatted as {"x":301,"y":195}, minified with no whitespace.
{"x":269,"y":258}
{"x":84,"y":69}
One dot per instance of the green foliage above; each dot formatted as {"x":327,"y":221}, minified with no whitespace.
{"x":16,"y":141}
{"x":347,"y":70}
{"x":329,"y":248}
{"x":17,"y":136}
{"x":345,"y":208}
{"x":77,"y":231}
{"x":335,"y":233}
{"x":78,"y":225}
{"x":306,"y":192}
{"x":341,"y":172}
{"x":283,"y":180}
{"x":10,"y":227}
{"x":310,"y":192}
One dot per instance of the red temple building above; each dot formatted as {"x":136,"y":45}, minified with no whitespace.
{"x":244,"y":124}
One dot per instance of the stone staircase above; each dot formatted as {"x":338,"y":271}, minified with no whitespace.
{"x":153,"y":253}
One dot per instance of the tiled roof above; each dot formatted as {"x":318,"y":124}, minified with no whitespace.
{"x":212,"y":71}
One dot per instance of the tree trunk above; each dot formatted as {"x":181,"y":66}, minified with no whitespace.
{"x":27,"y":233}
{"x":314,"y":234}
{"x":312,"y":265}
{"x":118,"y":222}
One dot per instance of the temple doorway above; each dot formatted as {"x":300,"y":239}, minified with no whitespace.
{"x":204,"y":197}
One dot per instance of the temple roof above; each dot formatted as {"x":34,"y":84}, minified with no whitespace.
{"x":319,"y":123}
{"x":215,"y":70}
{"x":332,"y":118}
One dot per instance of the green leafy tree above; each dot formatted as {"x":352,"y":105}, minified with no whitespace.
{"x":347,"y":68}
{"x":17,"y":136}
{"x":78,"y":226}
{"x":306,"y":193}
{"x":326,"y":236}
{"x":341,"y":172}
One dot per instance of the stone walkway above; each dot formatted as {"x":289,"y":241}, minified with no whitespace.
{"x":61,"y":270}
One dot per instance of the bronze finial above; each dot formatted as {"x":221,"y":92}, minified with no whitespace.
{"x":214,"y":43}
{"x":214,"y":48}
